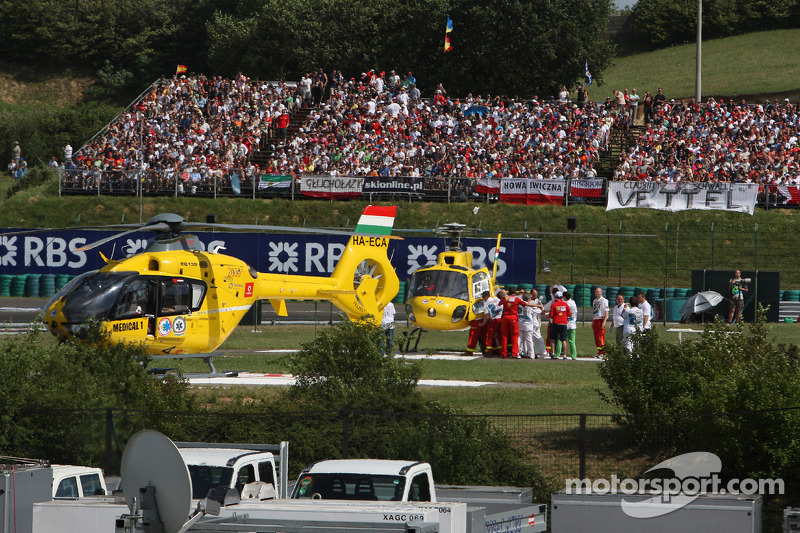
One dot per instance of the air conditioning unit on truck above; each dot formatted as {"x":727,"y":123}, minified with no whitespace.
{"x":461,"y":508}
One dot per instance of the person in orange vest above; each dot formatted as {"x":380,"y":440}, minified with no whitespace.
{"x":509,"y":323}
{"x":559,"y":314}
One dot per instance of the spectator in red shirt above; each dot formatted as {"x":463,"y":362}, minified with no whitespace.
{"x":559,"y":313}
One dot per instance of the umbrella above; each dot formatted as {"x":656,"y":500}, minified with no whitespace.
{"x":700,"y":302}
{"x":476,"y":109}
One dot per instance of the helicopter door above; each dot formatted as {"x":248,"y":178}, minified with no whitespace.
{"x":480,"y":283}
{"x":138,"y":299}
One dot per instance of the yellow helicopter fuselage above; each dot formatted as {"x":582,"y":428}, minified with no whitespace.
{"x":442,"y":297}
{"x":184,"y":301}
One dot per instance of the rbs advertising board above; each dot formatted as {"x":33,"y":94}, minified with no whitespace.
{"x":56,"y":252}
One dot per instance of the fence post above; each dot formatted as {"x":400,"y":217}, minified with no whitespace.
{"x":582,"y":447}
{"x":432,"y":454}
{"x":109,"y":434}
{"x":345,"y":433}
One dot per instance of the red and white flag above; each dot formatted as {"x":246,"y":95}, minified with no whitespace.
{"x":790,"y":193}
{"x":587,"y":188}
{"x":488,"y":186}
{"x":531,"y":191}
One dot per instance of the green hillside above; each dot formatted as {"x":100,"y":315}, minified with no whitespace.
{"x":758,"y":64}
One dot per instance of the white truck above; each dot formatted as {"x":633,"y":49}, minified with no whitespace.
{"x":24,"y":482}
{"x":252,"y":469}
{"x":484,"y":508}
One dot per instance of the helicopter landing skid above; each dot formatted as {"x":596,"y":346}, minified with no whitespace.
{"x":208,"y":358}
{"x":408,"y":338}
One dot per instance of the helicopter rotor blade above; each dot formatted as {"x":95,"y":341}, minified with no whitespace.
{"x":153,"y":227}
{"x":258,"y":227}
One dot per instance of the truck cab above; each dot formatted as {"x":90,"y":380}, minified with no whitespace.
{"x":231,"y":468}
{"x":366,"y":479}
{"x":70,"y":482}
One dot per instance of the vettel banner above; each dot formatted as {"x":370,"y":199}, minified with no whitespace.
{"x":739,"y":197}
{"x":789,"y":194}
{"x":331,"y":186}
{"x":528,"y":191}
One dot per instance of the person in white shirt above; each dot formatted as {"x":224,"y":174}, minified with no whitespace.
{"x":647,"y":311}
{"x":634,"y":322}
{"x":599,"y":320}
{"x":530,"y":335}
{"x":387,"y":323}
{"x":540,"y":349}
{"x":619,"y":321}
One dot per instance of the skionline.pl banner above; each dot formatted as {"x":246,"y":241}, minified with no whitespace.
{"x":739,"y":197}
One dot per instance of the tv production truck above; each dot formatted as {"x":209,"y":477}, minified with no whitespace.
{"x":247,"y":501}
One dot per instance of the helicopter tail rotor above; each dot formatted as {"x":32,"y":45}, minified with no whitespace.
{"x":365,"y":267}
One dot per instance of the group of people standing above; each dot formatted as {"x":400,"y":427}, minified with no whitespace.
{"x":510,"y":326}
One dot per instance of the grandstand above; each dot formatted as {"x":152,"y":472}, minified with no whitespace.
{"x":215,"y":136}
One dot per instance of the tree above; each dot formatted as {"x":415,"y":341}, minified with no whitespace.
{"x":343,"y":368}
{"x":40,"y":377}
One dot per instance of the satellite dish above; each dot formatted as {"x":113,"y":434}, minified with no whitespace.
{"x":151,"y":459}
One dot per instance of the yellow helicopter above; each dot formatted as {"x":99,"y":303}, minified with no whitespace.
{"x":444,"y":297}
{"x":175,"y":298}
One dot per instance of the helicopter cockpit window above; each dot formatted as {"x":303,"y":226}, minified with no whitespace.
{"x":480,"y":283}
{"x":95,"y":296}
{"x":136,"y":300}
{"x":180,"y":296}
{"x":447,"y":284}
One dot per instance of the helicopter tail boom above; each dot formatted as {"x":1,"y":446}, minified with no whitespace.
{"x":364,"y":267}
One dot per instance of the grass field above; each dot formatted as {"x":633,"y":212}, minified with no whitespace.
{"x":760,"y":63}
{"x":527,"y":387}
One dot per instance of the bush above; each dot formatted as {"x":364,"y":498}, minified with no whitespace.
{"x":732,"y":392}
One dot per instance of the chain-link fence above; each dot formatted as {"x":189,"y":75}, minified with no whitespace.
{"x":560,"y":446}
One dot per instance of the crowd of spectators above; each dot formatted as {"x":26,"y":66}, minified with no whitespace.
{"x":201,"y":129}
{"x":717,"y":142}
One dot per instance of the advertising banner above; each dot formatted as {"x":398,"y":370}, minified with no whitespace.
{"x":532,"y":191}
{"x":316,"y":255}
{"x":739,"y":197}
{"x":331,"y":186}
{"x":375,"y":184}
{"x":587,"y":188}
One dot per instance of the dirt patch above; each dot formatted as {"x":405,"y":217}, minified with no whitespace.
{"x":27,"y":85}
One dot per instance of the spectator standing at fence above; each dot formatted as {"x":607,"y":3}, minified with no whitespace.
{"x":737,"y":287}
{"x":659,"y":99}
{"x":477,"y":328}
{"x":618,"y":320}
{"x":647,"y":311}
{"x":22,"y":168}
{"x":559,"y":314}
{"x":599,"y":320}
